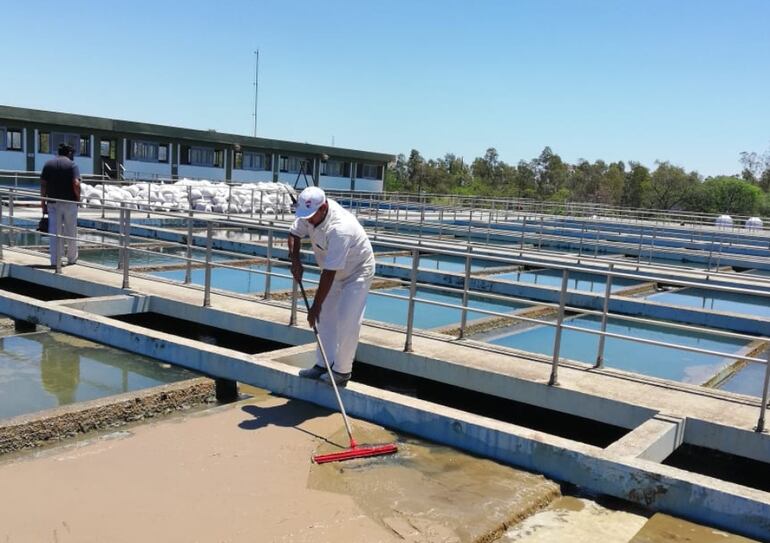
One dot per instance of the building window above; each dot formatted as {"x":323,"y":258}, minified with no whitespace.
{"x":283,"y":164}
{"x":44,"y":142}
{"x":251,"y":161}
{"x":13,"y":142}
{"x":104,"y":148}
{"x":200,"y":156}
{"x":2,"y":138}
{"x":57,"y":138}
{"x":369,"y":171}
{"x":296,"y":164}
{"x":219,"y":158}
{"x":84,"y":149}
{"x":143,"y":151}
{"x":335,"y":168}
{"x":163,"y":152}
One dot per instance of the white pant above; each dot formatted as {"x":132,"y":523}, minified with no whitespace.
{"x":339,"y":323}
{"x":63,"y":220}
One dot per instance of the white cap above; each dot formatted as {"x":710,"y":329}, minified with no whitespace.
{"x":309,"y":201}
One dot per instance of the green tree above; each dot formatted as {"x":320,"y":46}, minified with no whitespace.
{"x":729,"y":195}
{"x":636,"y":186}
{"x":670,"y":187}
{"x":550,"y":173}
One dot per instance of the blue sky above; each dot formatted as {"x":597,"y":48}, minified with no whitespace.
{"x":685,"y":81}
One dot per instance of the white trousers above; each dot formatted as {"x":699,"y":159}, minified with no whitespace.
{"x":339,"y":323}
{"x":63,"y":220}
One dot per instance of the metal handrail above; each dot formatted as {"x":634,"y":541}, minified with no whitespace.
{"x":562,"y":307}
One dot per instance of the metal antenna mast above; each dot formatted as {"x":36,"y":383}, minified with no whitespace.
{"x":256,"y":89}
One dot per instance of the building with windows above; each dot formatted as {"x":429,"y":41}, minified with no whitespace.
{"x":132,"y":150}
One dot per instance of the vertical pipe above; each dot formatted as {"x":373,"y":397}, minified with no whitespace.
{"x":466,"y":288}
{"x":412,"y":293}
{"x":605,"y":307}
{"x":261,"y":206}
{"x":126,"y":215}
{"x":470,"y":224}
{"x":251,"y":209}
{"x":489,"y":221}
{"x":540,"y":234}
{"x":554,"y":380}
{"x":207,"y":281}
{"x":523,"y":228}
{"x":11,"y":231}
{"x":104,"y":196}
{"x":269,"y":263}
{"x":1,"y":229}
{"x":763,"y":404}
{"x":229,"y":198}
{"x":149,"y":201}
{"x":59,"y":238}
{"x":188,"y":263}
{"x":376,"y":218}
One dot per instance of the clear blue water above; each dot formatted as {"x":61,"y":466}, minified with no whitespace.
{"x":394,"y":311}
{"x":442,"y":263}
{"x":577,"y":280}
{"x":158,"y":256}
{"x":748,"y":380}
{"x":240,"y":280}
{"x":627,"y":355}
{"x":715,"y":301}
{"x":49,"y":369}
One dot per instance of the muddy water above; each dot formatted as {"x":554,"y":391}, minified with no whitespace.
{"x":433,"y":493}
{"x":430,"y":493}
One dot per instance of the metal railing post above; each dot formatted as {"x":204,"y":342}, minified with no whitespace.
{"x":188,"y":263}
{"x":207,"y":280}
{"x":2,"y":233}
{"x":412,"y":293}
{"x":466,"y":289}
{"x":605,"y":307}
{"x":126,"y":216}
{"x":540,"y":234}
{"x":554,"y":380}
{"x":149,"y":199}
{"x":523,"y":229}
{"x":470,"y":224}
{"x":59,"y":238}
{"x":251,"y":209}
{"x":269,"y":263}
{"x":377,"y":218}
{"x":261,"y":204}
{"x":11,"y":231}
{"x":763,"y":405}
{"x":229,"y":198}
{"x":104,"y":195}
{"x":489,"y":222}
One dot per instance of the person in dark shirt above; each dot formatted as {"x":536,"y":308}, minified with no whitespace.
{"x":60,"y":194}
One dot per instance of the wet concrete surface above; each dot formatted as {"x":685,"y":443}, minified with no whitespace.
{"x":432,"y":493}
{"x":665,"y":529}
{"x":577,"y":520}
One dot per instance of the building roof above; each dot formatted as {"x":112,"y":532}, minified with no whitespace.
{"x":25,"y":115}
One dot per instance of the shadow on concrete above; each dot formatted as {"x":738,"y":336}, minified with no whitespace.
{"x":289,"y":415}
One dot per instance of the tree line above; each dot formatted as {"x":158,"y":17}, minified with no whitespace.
{"x":548,"y":177}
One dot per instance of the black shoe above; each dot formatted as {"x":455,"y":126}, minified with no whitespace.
{"x":313,"y":372}
{"x":341,"y":379}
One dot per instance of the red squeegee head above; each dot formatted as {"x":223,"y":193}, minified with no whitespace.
{"x":354,"y":452}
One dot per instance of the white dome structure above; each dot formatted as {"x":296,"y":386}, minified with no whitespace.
{"x":753,"y":223}
{"x":724,"y":221}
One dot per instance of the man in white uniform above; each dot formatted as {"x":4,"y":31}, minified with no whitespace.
{"x":344,"y":254}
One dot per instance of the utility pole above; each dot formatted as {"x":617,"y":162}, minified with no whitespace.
{"x":256,"y":89}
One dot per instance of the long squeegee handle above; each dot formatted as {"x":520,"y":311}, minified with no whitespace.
{"x":329,"y":371}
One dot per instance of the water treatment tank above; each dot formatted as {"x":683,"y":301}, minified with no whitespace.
{"x":753,"y":223}
{"x":724,"y":221}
